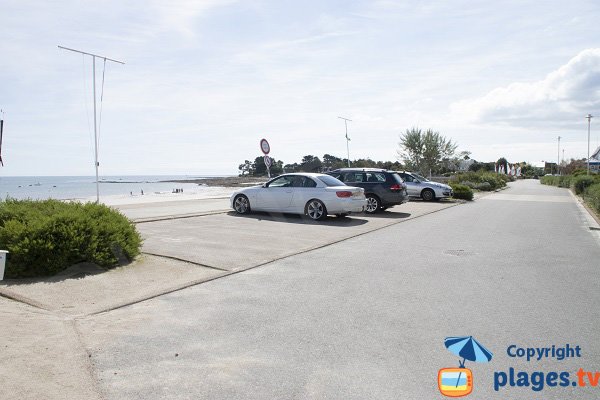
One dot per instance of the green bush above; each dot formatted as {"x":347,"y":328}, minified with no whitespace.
{"x":564,"y":181}
{"x":483,"y":186}
{"x":549,"y":180}
{"x":582,"y":182}
{"x":592,"y":196}
{"x":462,"y":191}
{"x":560,"y":181}
{"x":495,"y":181}
{"x":45,"y":237}
{"x":577,"y":182}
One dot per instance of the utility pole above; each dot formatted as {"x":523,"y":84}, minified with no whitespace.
{"x":347,"y":138}
{"x":558,"y":158}
{"x":94,"y":56}
{"x":589,"y":118}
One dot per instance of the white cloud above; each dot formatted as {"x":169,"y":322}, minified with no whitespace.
{"x":559,"y":101}
{"x":180,"y":15}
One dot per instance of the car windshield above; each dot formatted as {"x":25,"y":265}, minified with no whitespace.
{"x":421,"y":178}
{"x":331,"y":181}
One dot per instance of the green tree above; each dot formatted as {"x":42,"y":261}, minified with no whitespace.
{"x":291,"y":167}
{"x":424,"y":152}
{"x":310,"y":164}
{"x":247,"y":168}
{"x":260,"y":169}
{"x":332,"y":162}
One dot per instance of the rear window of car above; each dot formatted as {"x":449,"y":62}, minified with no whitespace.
{"x":397,"y":178}
{"x":330,"y":181}
{"x":375,"y":177}
{"x":354,"y":177}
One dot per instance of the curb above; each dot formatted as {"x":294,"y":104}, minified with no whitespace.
{"x":582,"y":202}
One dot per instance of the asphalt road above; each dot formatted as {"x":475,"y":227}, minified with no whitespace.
{"x":366,"y":318}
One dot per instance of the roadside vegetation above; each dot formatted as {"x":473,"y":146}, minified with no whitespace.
{"x":45,"y":237}
{"x":462,"y":191}
{"x":587,"y":186}
{"x":481,"y":180}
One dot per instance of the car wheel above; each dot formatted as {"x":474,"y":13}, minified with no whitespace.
{"x":428,"y":195}
{"x":373,"y":204}
{"x":315,"y":209}
{"x":241,"y":204}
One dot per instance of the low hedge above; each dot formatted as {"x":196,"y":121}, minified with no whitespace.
{"x":45,"y":237}
{"x":577,"y":182}
{"x":582,"y":182}
{"x":462,"y":191}
{"x":592,"y":196}
{"x":486,"y":181}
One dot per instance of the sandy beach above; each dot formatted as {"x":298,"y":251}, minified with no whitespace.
{"x":208,"y":188}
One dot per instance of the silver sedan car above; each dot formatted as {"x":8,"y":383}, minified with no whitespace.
{"x":419,"y":186}
{"x":315,"y":195}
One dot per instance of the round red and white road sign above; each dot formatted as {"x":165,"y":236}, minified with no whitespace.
{"x":264,"y":146}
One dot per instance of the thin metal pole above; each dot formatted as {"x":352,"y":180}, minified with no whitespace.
{"x":347,"y":138}
{"x":91,"y":54}
{"x":96,"y":164}
{"x":95,"y":133}
{"x":589,"y":118}
{"x":558,"y":158}
{"x":347,"y":142}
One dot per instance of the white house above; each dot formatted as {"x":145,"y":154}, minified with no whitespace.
{"x":595,"y":161}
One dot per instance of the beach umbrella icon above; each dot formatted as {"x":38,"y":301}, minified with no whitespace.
{"x":467,"y":348}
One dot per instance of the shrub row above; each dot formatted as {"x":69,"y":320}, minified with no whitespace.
{"x":592,"y":196}
{"x":45,"y":237}
{"x":578,"y":182}
{"x":560,"y":181}
{"x":461,"y":191}
{"x":486,"y":181}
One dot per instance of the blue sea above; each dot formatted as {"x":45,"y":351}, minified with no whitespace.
{"x":84,"y":187}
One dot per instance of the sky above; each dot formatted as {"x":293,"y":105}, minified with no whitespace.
{"x":205,"y":80}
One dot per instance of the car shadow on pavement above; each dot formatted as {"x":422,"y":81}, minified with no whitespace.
{"x":444,"y":200}
{"x":390,"y":215}
{"x":344,"y":222}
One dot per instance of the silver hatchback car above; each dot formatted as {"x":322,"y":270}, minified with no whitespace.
{"x":419,"y":186}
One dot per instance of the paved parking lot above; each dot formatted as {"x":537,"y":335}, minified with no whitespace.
{"x":233,"y":242}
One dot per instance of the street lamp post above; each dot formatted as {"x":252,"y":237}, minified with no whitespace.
{"x":347,"y":138}
{"x":589,"y":118}
{"x":558,"y":158}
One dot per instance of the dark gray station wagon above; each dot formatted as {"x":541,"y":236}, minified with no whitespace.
{"x":383,"y":188}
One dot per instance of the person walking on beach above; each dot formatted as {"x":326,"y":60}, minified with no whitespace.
{"x":142,"y":191}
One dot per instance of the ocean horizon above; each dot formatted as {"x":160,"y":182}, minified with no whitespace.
{"x":84,"y":187}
